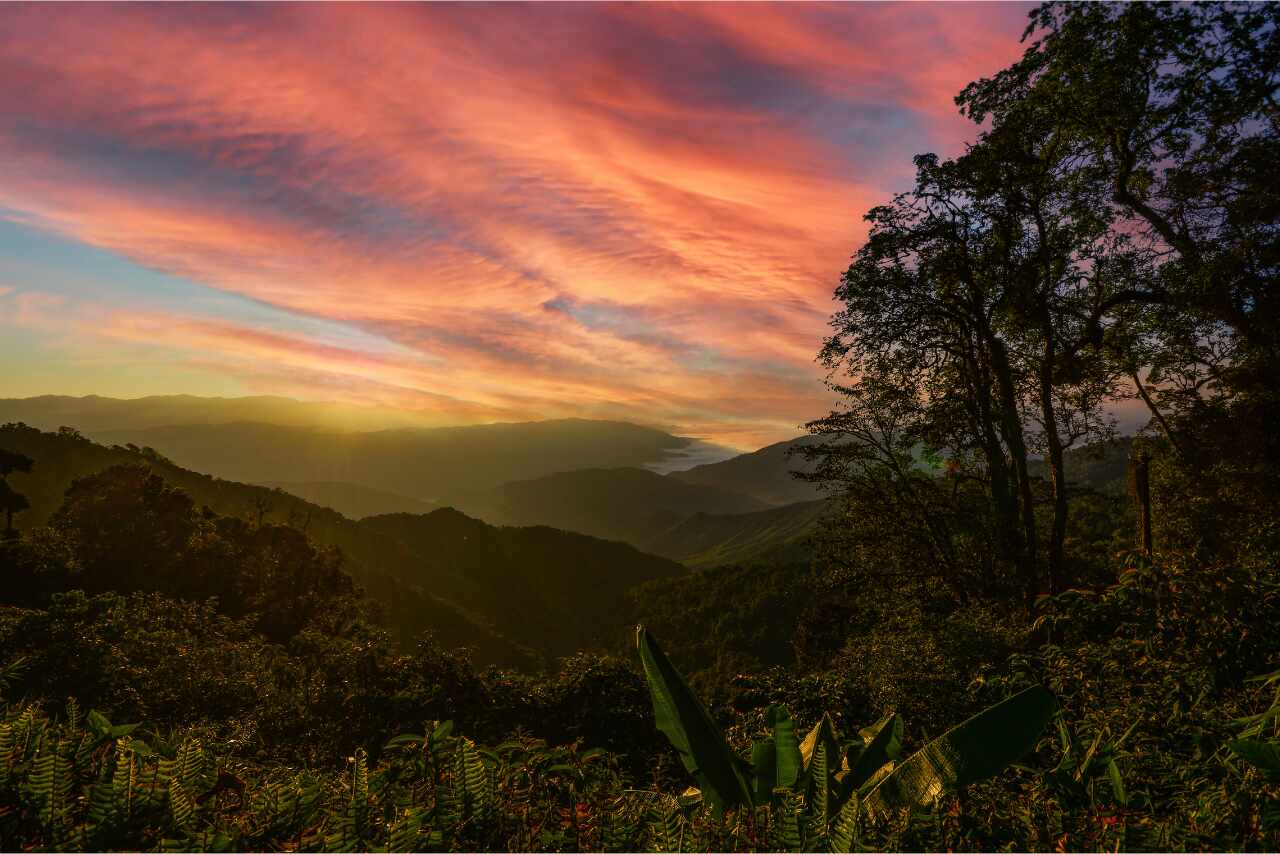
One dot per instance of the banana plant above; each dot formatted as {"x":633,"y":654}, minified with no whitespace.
{"x":979,"y":748}
{"x":864,"y":774}
{"x":691,"y":730}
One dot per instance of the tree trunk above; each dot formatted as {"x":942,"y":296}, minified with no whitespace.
{"x":1142,"y":492}
{"x":1004,"y":499}
{"x":1056,"y":468}
{"x":1011,"y":428}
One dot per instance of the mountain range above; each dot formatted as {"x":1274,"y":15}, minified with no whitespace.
{"x":521,"y":571}
{"x":277,"y":440}
{"x":468,"y":583}
{"x":519,"y":541}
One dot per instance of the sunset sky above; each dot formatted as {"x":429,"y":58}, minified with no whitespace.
{"x":476,"y":212}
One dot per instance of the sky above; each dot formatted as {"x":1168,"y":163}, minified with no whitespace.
{"x":471,"y":212}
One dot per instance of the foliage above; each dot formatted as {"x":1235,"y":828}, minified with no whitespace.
{"x":826,"y":774}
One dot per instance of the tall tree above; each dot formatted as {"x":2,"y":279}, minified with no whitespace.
{"x":920,"y":317}
{"x":1166,"y":117}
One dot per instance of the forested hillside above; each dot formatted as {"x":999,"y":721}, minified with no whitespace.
{"x":1005,"y":627}
{"x":764,"y":474}
{"x":628,"y":504}
{"x":456,"y":577}
{"x":351,"y":499}
{"x":777,"y":535}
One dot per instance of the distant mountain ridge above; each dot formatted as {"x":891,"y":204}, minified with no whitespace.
{"x":627,"y":504}
{"x":594,"y":477}
{"x":93,"y":413}
{"x":467,"y":582}
{"x":274,"y":439}
{"x":765,"y":475}
{"x":353,"y":500}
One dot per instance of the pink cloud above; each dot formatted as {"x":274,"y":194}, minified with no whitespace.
{"x":543,"y":210}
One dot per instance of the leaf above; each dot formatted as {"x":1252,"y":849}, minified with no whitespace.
{"x":978,"y":748}
{"x":788,"y":761}
{"x":845,"y":831}
{"x":765,"y":769}
{"x":562,"y":768}
{"x":777,"y":760}
{"x":874,"y":780}
{"x":1263,"y":755}
{"x":1117,"y":783}
{"x":884,"y":742}
{"x":98,"y":723}
{"x":823,"y":732}
{"x":687,"y":725}
{"x":818,"y":793}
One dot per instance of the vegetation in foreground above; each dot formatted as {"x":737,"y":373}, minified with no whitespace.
{"x":1050,"y":669}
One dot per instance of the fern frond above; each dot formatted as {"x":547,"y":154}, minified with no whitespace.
{"x":787,"y":835}
{"x":818,"y":787}
{"x":477,"y":785}
{"x":181,"y":807}
{"x":844,"y":833}
{"x":405,"y":834}
{"x":663,"y":825}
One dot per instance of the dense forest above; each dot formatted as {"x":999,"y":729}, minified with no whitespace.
{"x":964,"y":612}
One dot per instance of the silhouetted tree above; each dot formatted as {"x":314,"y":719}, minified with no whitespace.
{"x":11,"y":501}
{"x":1165,"y":119}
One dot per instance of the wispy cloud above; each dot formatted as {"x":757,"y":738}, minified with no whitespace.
{"x":539,"y":210}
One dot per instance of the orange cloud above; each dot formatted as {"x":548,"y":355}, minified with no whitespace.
{"x":617,"y":210}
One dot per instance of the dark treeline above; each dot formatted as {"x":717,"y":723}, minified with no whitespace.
{"x":182,"y":669}
{"x":1111,"y":235}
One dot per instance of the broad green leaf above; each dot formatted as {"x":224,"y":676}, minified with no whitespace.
{"x":764,"y":767}
{"x":788,"y":762}
{"x":978,"y":748}
{"x":98,"y":723}
{"x":776,"y":760}
{"x":879,"y":774}
{"x":884,"y":742}
{"x":687,"y":725}
{"x":1263,"y":755}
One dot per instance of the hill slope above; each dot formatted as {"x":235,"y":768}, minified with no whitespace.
{"x":426,"y":574}
{"x":628,"y":504}
{"x":764,"y":474}
{"x":776,"y":535}
{"x":353,"y":500}
{"x":564,"y":588}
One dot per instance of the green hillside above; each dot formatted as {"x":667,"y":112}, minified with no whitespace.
{"x":353,"y":500}
{"x":1102,"y":466}
{"x":764,"y":474}
{"x":426,"y":572}
{"x":776,"y":535}
{"x":628,"y":504}
{"x":559,"y":589}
